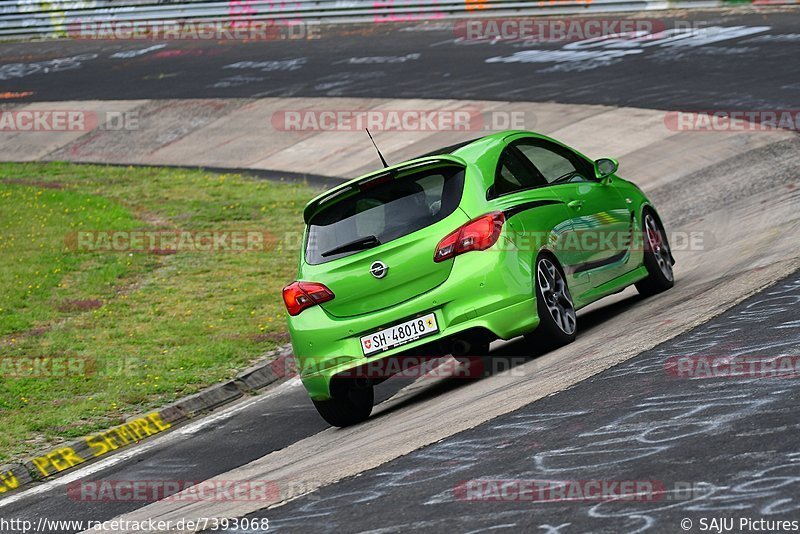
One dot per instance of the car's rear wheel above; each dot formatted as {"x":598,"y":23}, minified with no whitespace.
{"x":657,"y":258}
{"x":352,"y":406}
{"x":558,"y":323}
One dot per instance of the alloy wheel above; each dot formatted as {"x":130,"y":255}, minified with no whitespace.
{"x":556,"y":295}
{"x":658,"y":246}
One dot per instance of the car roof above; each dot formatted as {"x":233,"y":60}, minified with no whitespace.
{"x":459,"y":154}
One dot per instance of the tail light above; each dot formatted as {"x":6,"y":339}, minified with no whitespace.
{"x":301,"y":295}
{"x":478,"y":234}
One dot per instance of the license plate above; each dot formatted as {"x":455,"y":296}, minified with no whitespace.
{"x":399,"y":334}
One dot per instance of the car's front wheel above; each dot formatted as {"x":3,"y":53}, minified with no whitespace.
{"x":557,"y":319}
{"x":350,"y":407}
{"x":657,"y":258}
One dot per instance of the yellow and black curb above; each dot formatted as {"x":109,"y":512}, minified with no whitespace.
{"x":274,"y":366}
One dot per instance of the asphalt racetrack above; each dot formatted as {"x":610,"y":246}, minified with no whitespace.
{"x":607,"y":407}
{"x":739,"y":61}
{"x":711,"y":447}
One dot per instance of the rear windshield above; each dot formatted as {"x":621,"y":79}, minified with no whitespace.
{"x":381,"y":213}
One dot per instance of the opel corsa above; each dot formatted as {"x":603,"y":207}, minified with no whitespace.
{"x":501,"y":236}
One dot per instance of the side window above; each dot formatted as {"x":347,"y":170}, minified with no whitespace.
{"x":513,"y":174}
{"x":555,"y":163}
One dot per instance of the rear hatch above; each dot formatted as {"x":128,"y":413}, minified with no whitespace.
{"x":397,"y":219}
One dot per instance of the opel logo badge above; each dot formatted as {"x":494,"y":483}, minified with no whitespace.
{"x":378,"y":269}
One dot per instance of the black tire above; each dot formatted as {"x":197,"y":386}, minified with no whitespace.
{"x":476,"y":362}
{"x":657,"y":257}
{"x":353,"y":406}
{"x":557,"y":320}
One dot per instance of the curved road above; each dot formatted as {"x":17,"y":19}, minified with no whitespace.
{"x":601,"y":408}
{"x":730,"y":60}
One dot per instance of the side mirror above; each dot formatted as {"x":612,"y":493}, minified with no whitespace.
{"x":605,"y":167}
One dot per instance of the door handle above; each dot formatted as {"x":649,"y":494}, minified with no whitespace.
{"x":575,"y":204}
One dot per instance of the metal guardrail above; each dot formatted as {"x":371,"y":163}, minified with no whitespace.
{"x":29,"y":18}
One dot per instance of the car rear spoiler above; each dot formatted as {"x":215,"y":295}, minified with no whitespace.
{"x":376,"y":178}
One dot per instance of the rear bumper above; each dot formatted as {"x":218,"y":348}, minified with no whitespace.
{"x":514,"y":320}
{"x":490,"y":289}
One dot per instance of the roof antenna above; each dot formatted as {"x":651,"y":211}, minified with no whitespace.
{"x":376,"y":148}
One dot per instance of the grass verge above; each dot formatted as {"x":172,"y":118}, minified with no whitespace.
{"x":88,"y":338}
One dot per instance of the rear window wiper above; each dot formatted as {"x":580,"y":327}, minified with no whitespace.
{"x":361,"y":243}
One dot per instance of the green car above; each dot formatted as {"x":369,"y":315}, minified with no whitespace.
{"x":506,"y":235}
